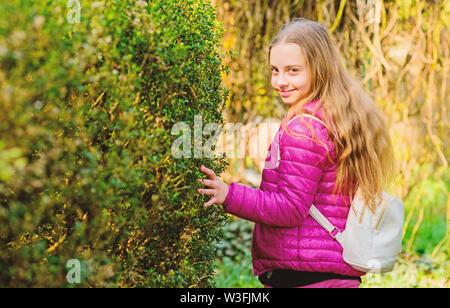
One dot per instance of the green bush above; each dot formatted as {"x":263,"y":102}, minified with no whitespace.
{"x":86,"y":169}
{"x":237,"y":239}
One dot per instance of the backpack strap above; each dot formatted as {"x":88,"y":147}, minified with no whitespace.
{"x":315,"y":118}
{"x":282,"y":132}
{"x":326,"y":224}
{"x":314,"y":212}
{"x":304,"y":115}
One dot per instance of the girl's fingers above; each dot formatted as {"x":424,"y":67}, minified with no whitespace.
{"x":211,"y":201}
{"x":208,"y":192}
{"x":210,"y":173}
{"x":207,"y":182}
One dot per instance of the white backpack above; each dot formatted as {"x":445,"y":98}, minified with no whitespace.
{"x":371,"y":241}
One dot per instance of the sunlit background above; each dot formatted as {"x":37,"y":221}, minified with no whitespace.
{"x":400,"y":52}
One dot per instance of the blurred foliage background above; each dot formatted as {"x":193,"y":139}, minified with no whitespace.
{"x":86,"y":112}
{"x":400,"y":52}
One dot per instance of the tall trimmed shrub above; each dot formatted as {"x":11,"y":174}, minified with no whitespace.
{"x":86,"y":167}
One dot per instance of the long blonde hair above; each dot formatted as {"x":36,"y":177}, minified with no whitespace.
{"x":364,"y":153}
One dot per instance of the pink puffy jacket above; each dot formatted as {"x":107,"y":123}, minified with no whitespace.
{"x":285,"y":236}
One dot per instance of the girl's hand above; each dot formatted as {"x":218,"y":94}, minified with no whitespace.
{"x":218,"y":189}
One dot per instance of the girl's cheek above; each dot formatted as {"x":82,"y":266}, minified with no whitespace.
{"x":274,"y":81}
{"x":303,"y":81}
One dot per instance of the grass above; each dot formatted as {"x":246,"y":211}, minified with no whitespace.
{"x":236,"y":273}
{"x":412,"y":273}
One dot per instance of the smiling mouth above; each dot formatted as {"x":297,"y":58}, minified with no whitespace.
{"x":285,"y":93}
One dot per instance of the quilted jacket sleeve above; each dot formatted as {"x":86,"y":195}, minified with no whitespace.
{"x":299,"y":173}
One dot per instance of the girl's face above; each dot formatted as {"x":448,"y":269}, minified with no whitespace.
{"x":291,"y":76}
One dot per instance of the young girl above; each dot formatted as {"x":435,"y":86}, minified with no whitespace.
{"x":333,"y":140}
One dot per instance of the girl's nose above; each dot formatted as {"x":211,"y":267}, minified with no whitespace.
{"x":281,"y":81}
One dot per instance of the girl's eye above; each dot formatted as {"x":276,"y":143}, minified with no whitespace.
{"x":293,"y":70}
